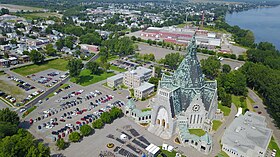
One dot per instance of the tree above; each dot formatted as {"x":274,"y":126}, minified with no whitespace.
{"x":86,"y":130}
{"x":74,"y":137}
{"x":226,"y":68}
{"x":210,"y":67}
{"x":154,"y":80}
{"x":4,"y":11}
{"x":91,"y":38}
{"x":173,"y":60}
{"x":50,"y":50}
{"x":158,"y":72}
{"x":97,"y":124}
{"x":22,"y":144}
{"x":149,"y":57}
{"x":75,"y":66}
{"x":105,"y":117}
{"x":59,"y":44}
{"x":115,"y":112}
{"x":233,"y":83}
{"x":36,"y":57}
{"x":7,"y":129}
{"x":60,"y":143}
{"x":93,"y":67}
{"x":6,"y":115}
{"x":226,"y":100}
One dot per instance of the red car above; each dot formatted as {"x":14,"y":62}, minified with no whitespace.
{"x":78,"y":122}
{"x":83,"y":119}
{"x":79,"y":112}
{"x":84,"y":110}
{"x":31,"y":121}
{"x":62,"y":120}
{"x":59,"y":136}
{"x":63,"y":134}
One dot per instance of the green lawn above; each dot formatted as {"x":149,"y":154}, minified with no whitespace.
{"x":222,"y":154}
{"x":198,"y":132}
{"x":168,"y":154}
{"x":146,"y":109}
{"x":273,"y":145}
{"x":115,"y":68}
{"x":59,"y":64}
{"x":29,"y":111}
{"x":111,"y":58}
{"x":216,"y":125}
{"x":52,"y":94}
{"x":31,"y":16}
{"x":225,"y":109}
{"x":238,"y":103}
{"x":86,"y":78}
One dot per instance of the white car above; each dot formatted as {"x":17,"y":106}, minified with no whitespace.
{"x":22,"y":110}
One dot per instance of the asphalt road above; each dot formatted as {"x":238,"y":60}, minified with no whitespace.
{"x":261,"y":107}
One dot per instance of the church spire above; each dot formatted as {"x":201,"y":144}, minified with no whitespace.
{"x":189,"y":74}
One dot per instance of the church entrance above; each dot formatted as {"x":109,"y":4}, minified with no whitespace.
{"x":163,"y":123}
{"x":158,"y":121}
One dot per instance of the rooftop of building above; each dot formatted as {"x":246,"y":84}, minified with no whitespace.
{"x":115,"y":77}
{"x":140,"y":71}
{"x":144,"y":86}
{"x":246,"y":132}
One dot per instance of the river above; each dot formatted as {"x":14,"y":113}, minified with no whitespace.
{"x":264,"y":22}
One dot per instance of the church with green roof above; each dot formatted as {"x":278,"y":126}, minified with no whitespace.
{"x":185,"y":100}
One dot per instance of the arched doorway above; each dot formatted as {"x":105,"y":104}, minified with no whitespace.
{"x":158,"y":121}
{"x":163,"y":122}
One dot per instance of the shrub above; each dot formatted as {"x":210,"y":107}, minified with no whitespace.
{"x":97,"y":124}
{"x":74,"y":137}
{"x":86,"y":130}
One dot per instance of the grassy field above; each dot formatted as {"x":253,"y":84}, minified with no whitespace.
{"x":31,"y":16}
{"x":86,"y":78}
{"x":225,"y":109}
{"x":198,"y":132}
{"x":238,"y":103}
{"x":52,"y":94}
{"x":59,"y":64}
{"x":216,"y":124}
{"x":273,"y":145}
{"x":115,"y":68}
{"x":15,"y":8}
{"x":11,"y":90}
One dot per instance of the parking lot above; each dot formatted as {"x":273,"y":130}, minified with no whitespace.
{"x":16,"y":90}
{"x":48,"y":77}
{"x":72,"y":105}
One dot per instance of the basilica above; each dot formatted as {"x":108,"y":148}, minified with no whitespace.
{"x":185,"y":100}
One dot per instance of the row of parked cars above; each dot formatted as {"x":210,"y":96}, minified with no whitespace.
{"x":61,"y":89}
{"x":22,"y":84}
{"x":89,"y":118}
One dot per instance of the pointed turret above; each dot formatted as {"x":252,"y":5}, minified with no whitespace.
{"x":189,"y":74}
